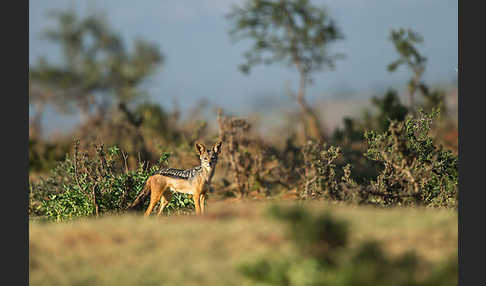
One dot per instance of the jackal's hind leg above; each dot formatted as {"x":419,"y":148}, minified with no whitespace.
{"x":154,"y":199}
{"x":165,"y":200}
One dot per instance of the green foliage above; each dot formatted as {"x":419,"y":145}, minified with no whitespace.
{"x":97,"y":68}
{"x":415,"y":171}
{"x":388,"y":108}
{"x":324,"y":258}
{"x":67,"y":205}
{"x":290,"y":31}
{"x":293,"y":32}
{"x":404,"y":42}
{"x":350,"y":140}
{"x":86,"y":185}
{"x":410,"y":168}
{"x":320,"y":168}
{"x":351,"y":137}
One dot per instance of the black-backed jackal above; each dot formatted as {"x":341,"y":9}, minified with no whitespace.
{"x":190,"y":181}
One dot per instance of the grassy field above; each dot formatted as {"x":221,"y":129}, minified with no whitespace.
{"x":187,"y":250}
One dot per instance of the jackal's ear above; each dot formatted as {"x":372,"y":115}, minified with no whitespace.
{"x":200,"y":148}
{"x":217,"y":147}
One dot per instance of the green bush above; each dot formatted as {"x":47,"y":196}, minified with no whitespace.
{"x":87,"y":184}
{"x":324,"y":258}
{"x":415,"y":170}
{"x":411,"y":168}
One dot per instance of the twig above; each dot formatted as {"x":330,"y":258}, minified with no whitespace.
{"x":125,"y":157}
{"x":76,"y":145}
{"x":307,"y":183}
{"x":404,"y":171}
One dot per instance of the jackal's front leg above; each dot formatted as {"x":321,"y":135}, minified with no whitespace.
{"x":202,"y":201}
{"x":197,"y":201}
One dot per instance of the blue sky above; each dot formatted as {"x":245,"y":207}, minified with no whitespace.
{"x":201,"y":60}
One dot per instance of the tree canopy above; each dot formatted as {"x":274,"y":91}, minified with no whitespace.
{"x":405,"y":42}
{"x":96,"y":68}
{"x":293,"y":32}
{"x":289,"y":31}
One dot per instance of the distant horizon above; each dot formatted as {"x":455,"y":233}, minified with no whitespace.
{"x":201,"y":60}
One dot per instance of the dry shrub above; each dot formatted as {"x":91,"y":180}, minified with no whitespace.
{"x":319,"y":177}
{"x":254,"y":165}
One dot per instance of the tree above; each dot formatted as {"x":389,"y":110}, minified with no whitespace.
{"x":404,"y":42}
{"x":290,"y":31}
{"x":97,"y":69}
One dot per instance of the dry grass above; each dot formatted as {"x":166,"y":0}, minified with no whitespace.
{"x":188,"y":250}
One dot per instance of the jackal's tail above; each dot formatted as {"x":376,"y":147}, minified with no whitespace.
{"x":144,"y":193}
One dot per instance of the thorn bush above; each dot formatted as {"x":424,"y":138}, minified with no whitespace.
{"x":415,"y":170}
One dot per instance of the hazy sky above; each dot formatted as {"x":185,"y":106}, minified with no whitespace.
{"x":201,"y":59}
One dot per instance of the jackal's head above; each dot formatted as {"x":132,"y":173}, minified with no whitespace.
{"x":209,"y":158}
